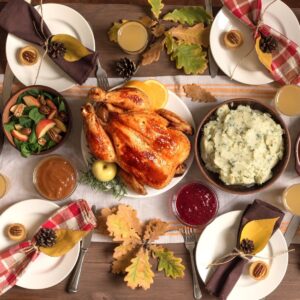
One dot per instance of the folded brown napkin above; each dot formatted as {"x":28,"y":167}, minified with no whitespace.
{"x":22,"y":20}
{"x":226,"y":275}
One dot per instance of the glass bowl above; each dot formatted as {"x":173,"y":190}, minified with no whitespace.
{"x":58,"y":180}
{"x":195,"y":204}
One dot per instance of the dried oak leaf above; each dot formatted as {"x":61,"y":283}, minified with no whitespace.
{"x":147,"y":21}
{"x":125,"y":247}
{"x":124,"y":224}
{"x":139,"y":273}
{"x":154,"y":229}
{"x":113,"y":31}
{"x":153,"y":53}
{"x":102,"y":219}
{"x":123,"y":255}
{"x":197,"y":34}
{"x":198,"y":94}
{"x":158,"y":30}
{"x":167,"y":262}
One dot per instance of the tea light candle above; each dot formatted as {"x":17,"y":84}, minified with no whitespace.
{"x":132,"y":37}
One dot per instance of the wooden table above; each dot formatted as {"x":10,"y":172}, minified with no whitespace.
{"x":97,"y":283}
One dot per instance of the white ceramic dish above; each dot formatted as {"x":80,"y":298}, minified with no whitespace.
{"x":176,"y":105}
{"x":60,"y":19}
{"x":250,"y":70}
{"x":219,"y":238}
{"x":45,"y":271}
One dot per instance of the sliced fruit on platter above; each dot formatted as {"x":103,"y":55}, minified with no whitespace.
{"x":156,"y":91}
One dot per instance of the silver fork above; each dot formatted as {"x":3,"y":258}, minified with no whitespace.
{"x":101,"y":77}
{"x":190,"y":243}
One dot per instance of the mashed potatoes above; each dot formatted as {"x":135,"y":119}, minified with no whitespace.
{"x":242,"y":145}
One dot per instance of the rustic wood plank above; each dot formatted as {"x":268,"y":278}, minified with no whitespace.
{"x":97,"y":283}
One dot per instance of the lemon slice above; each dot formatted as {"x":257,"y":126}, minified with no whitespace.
{"x":156,"y":91}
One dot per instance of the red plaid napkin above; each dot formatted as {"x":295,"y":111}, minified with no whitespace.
{"x":14,"y":261}
{"x":285,"y":65}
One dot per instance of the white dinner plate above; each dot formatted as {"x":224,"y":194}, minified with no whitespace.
{"x":250,"y":70}
{"x":176,"y":105}
{"x":219,"y":238}
{"x":45,"y":271}
{"x":60,"y":19}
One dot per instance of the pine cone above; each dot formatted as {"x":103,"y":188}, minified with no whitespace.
{"x":267,"y":44}
{"x":125,"y":67}
{"x":46,"y":237}
{"x":247,"y":246}
{"x":56,"y":49}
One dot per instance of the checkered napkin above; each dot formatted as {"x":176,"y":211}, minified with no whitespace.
{"x":77,"y":216}
{"x":284,"y":62}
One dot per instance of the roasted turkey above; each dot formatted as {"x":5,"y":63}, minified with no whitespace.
{"x":149,"y":146}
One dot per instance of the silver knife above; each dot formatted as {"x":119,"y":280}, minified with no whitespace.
{"x":213,"y":67}
{"x":292,"y":229}
{"x":85,"y":243}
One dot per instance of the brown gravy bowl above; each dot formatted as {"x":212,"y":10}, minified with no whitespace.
{"x":277,"y":170}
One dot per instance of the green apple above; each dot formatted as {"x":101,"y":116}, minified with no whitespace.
{"x":104,"y":171}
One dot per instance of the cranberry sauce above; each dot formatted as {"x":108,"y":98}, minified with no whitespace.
{"x":196,"y":204}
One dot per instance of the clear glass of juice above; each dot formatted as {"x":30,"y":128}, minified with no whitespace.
{"x":291,"y":199}
{"x":132,"y":37}
{"x":287,"y":100}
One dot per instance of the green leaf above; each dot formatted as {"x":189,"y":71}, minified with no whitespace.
{"x":32,"y":138}
{"x":170,"y":44}
{"x":25,"y":122}
{"x":75,"y":50}
{"x":32,"y":92}
{"x":156,"y":7}
{"x":18,"y":143}
{"x":35,"y":115}
{"x":189,"y":15}
{"x":25,"y":150}
{"x":167,"y":262}
{"x":189,"y":57}
{"x":62,"y":106}
{"x":9,"y":126}
{"x":113,"y":31}
{"x":47,"y":95}
{"x":50,"y":144}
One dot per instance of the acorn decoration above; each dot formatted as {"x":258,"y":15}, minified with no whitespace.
{"x":56,"y":49}
{"x":46,"y":237}
{"x":125,"y":68}
{"x":247,"y":246}
{"x":267,"y":44}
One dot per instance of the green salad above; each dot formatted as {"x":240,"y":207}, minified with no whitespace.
{"x":37,"y":122}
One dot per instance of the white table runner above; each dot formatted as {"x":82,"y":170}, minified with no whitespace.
{"x":20,"y":170}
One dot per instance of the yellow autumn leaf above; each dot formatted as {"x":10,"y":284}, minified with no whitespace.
{"x":258,"y":231}
{"x":113,"y":31}
{"x":139,"y":273}
{"x":74,"y":48}
{"x":125,"y":247}
{"x":264,"y":58}
{"x":66,"y":239}
{"x":124,"y":224}
{"x":197,"y":34}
